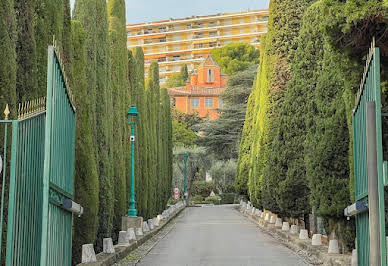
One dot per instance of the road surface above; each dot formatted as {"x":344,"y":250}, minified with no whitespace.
{"x":218,"y":236}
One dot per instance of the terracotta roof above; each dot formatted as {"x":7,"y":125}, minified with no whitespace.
{"x":209,"y":61}
{"x":195,"y":91}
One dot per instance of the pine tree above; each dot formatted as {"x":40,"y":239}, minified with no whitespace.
{"x":118,"y":86}
{"x":86,"y":177}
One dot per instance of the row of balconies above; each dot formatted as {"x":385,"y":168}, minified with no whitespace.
{"x":190,"y":26}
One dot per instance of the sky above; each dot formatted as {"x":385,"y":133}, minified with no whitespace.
{"x":151,"y":10}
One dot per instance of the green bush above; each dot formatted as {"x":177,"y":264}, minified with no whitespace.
{"x":213,"y":200}
{"x":198,"y":199}
{"x":202,"y":188}
{"x":228,"y":198}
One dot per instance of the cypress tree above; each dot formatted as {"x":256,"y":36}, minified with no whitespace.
{"x":118,"y":86}
{"x":86,"y":177}
{"x":184,"y":73}
{"x":26,"y":75}
{"x":8,"y":58}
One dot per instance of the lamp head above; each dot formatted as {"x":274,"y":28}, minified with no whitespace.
{"x":132,"y":115}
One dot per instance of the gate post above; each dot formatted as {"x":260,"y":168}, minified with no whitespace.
{"x":373,"y":185}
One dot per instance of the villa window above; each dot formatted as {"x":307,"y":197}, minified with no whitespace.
{"x":194,"y":102}
{"x":210,"y":76}
{"x":208,"y":102}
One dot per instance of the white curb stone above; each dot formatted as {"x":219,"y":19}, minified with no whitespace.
{"x":131,"y":234}
{"x":267,"y":218}
{"x":160,"y":218}
{"x":107,"y":246}
{"x":146,"y":228}
{"x":253,"y":211}
{"x":123,"y":238}
{"x":272,"y":220}
{"x":294,"y":229}
{"x":278,"y":222}
{"x":333,"y":247}
{"x":262,"y":215}
{"x":354,"y":258}
{"x":88,"y":254}
{"x":139,"y":231}
{"x":316,"y":240}
{"x":285,"y":226}
{"x":303,"y":234}
{"x":155,"y":221}
{"x":150,"y":224}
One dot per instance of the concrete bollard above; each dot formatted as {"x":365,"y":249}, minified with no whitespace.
{"x":138,"y":231}
{"x":123,"y":238}
{"x":278,"y":222}
{"x":151,"y":224}
{"x":107,"y":246}
{"x":155,"y":222}
{"x":257,"y":212}
{"x":294,"y":229}
{"x":354,"y":258}
{"x":160,"y":218}
{"x":285,"y":226}
{"x":88,"y":254}
{"x":262,"y":216}
{"x":333,"y":247}
{"x":316,"y":240}
{"x":303,"y":234}
{"x":146,"y":228}
{"x":131,"y":234}
{"x":272,"y":220}
{"x":253,"y":211}
{"x":267,"y":217}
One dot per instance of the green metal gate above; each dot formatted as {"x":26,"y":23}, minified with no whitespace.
{"x":37,"y":229}
{"x":369,"y":92}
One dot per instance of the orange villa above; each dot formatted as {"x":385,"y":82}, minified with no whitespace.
{"x":202,"y":90}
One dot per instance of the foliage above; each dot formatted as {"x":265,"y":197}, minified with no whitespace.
{"x":223,"y":174}
{"x":198,"y":199}
{"x":235,"y":57}
{"x":86,"y":178}
{"x":189,"y":119}
{"x":228,"y":198}
{"x":182,"y":135}
{"x":213,"y":200}
{"x":184,"y":73}
{"x":202,"y":188}
{"x":175,"y":80}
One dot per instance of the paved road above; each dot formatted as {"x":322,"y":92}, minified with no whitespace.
{"x":218,"y":236}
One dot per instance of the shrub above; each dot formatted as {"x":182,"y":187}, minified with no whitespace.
{"x":202,"y":188}
{"x":228,"y":198}
{"x":213,"y":200}
{"x":198,"y":199}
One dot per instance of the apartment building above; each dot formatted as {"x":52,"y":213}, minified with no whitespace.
{"x":176,"y":42}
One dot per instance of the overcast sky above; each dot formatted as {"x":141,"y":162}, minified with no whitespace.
{"x":151,"y":10}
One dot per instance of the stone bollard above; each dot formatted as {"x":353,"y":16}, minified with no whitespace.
{"x":316,"y":240}
{"x":155,"y":221}
{"x":160,"y":218}
{"x":262,"y":216}
{"x":285,"y":226}
{"x":303,"y":234}
{"x":267,"y":217}
{"x":107,"y":246}
{"x":138,"y":231}
{"x":257,"y":212}
{"x":354,"y":258}
{"x":272,"y":220}
{"x":88,"y":254}
{"x":151,"y":224}
{"x":253,"y":211}
{"x":146,"y":228}
{"x":294,"y":229}
{"x":131,"y":234}
{"x":333,"y":247}
{"x":123,"y":238}
{"x":278,"y":222}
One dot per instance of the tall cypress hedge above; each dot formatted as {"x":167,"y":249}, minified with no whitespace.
{"x":86,"y":177}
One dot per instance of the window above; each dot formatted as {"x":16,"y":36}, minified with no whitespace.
{"x":213,"y":44}
{"x":194,"y":102}
{"x":220,"y":103}
{"x":210,"y":75}
{"x":198,"y":35}
{"x":188,"y":26}
{"x":176,"y":58}
{"x":162,"y":29}
{"x":208,"y":102}
{"x":213,"y":34}
{"x":163,"y":39}
{"x":212,"y":24}
{"x":162,"y":59}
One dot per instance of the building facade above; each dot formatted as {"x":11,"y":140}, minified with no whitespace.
{"x":202,"y":91}
{"x":176,"y":42}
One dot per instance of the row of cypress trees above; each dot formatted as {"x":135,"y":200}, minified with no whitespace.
{"x":106,"y":79}
{"x":296,"y":146}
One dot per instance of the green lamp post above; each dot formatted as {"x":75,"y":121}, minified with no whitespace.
{"x":132,"y":120}
{"x":185,"y":156}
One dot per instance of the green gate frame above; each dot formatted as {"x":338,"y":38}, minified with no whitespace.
{"x":369,"y":92}
{"x":41,"y":177}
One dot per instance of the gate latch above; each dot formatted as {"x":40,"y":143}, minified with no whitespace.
{"x":73,"y":207}
{"x":356,"y":208}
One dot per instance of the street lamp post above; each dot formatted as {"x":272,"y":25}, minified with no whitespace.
{"x":132,"y":120}
{"x":185,"y":155}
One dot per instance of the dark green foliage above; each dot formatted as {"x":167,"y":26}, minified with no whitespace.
{"x":202,"y":188}
{"x":175,"y":80}
{"x":228,"y":198}
{"x":86,"y":177}
{"x":182,"y":135}
{"x":184,"y":73}
{"x":118,"y":88}
{"x":7,"y":58}
{"x":235,"y":57}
